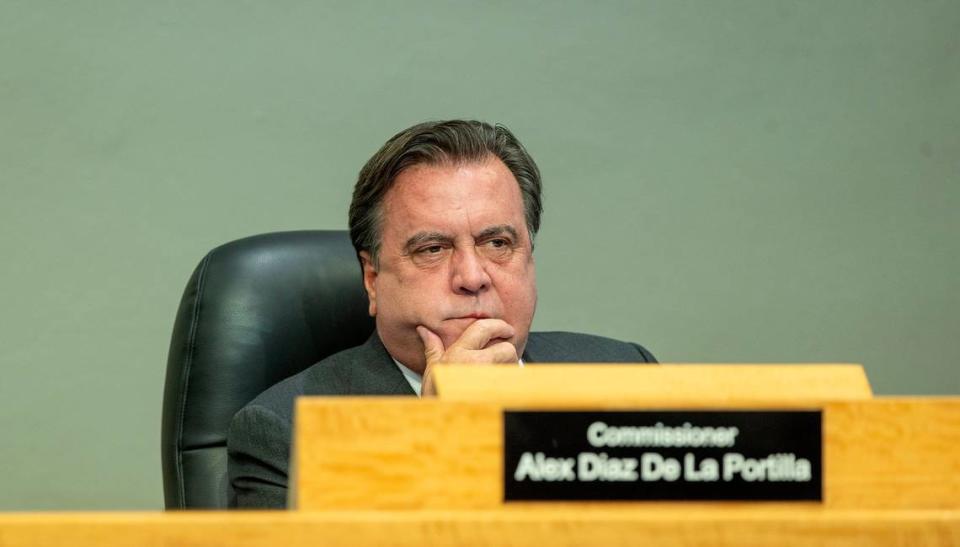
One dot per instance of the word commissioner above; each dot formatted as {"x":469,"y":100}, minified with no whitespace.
{"x":652,"y":466}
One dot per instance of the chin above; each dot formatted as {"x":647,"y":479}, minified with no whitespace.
{"x":451,"y":330}
{"x":449,"y":336}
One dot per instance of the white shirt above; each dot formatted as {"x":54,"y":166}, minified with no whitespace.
{"x":415,"y":380}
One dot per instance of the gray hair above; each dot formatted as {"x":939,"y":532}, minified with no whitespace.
{"x":438,"y":143}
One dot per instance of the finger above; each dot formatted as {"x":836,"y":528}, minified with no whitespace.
{"x":500,"y":353}
{"x":428,"y":388}
{"x":504,"y":352}
{"x":478,"y":334}
{"x":432,"y":344}
{"x":494,"y":341}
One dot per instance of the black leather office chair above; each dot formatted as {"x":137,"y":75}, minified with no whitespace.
{"x":255,"y":311}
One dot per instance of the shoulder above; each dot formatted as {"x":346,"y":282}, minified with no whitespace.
{"x":568,"y":347}
{"x":258,"y":440}
{"x":329,"y":376}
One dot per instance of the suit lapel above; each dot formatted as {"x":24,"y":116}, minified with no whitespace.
{"x":531,"y":353}
{"x":375,"y":373}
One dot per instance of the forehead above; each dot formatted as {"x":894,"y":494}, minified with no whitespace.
{"x":453,"y":196}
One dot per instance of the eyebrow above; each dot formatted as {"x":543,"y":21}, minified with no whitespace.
{"x":420,"y":238}
{"x":497,"y":230}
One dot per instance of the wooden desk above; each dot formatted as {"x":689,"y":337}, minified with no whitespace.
{"x":892,"y":472}
{"x":536,"y":527}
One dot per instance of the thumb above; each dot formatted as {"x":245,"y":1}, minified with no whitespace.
{"x":432,"y":344}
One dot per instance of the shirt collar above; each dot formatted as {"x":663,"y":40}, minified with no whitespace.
{"x":416,"y":380}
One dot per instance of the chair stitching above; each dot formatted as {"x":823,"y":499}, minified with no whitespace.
{"x":188,"y":363}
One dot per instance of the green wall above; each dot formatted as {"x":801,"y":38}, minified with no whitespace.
{"x":745,"y":181}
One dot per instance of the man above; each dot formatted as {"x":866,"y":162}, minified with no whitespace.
{"x":443,"y":219}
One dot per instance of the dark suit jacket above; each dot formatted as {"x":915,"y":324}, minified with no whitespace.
{"x":258,"y":445}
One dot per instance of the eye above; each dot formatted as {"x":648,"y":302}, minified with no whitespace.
{"x":497,"y":248}
{"x":429,"y":253}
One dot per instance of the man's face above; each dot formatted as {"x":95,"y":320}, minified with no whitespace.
{"x":454,"y":248}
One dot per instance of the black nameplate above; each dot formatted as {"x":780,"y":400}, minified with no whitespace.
{"x":663,"y":455}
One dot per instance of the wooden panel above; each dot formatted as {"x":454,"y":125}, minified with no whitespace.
{"x":402,"y":453}
{"x":619,"y":384}
{"x":610,"y":527}
{"x":390,"y":453}
{"x":894,"y":453}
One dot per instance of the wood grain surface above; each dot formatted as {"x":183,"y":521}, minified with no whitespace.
{"x":390,"y":453}
{"x":558,"y":527}
{"x":627,"y":384}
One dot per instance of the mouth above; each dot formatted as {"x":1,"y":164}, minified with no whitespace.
{"x":474,"y":316}
{"x":468,"y":318}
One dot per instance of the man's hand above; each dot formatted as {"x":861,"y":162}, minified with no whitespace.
{"x":473,"y":347}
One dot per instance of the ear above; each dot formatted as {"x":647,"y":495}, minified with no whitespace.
{"x":369,"y":281}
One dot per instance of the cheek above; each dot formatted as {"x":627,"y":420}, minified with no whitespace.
{"x":529,"y":301}
{"x":449,"y":333}
{"x":519,"y":295}
{"x":409,"y":298}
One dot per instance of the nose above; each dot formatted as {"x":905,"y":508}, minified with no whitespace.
{"x":469,"y":275}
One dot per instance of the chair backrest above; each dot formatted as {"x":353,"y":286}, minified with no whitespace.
{"x":254,"y":312}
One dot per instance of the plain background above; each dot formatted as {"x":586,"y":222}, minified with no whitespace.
{"x":725,"y":181}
